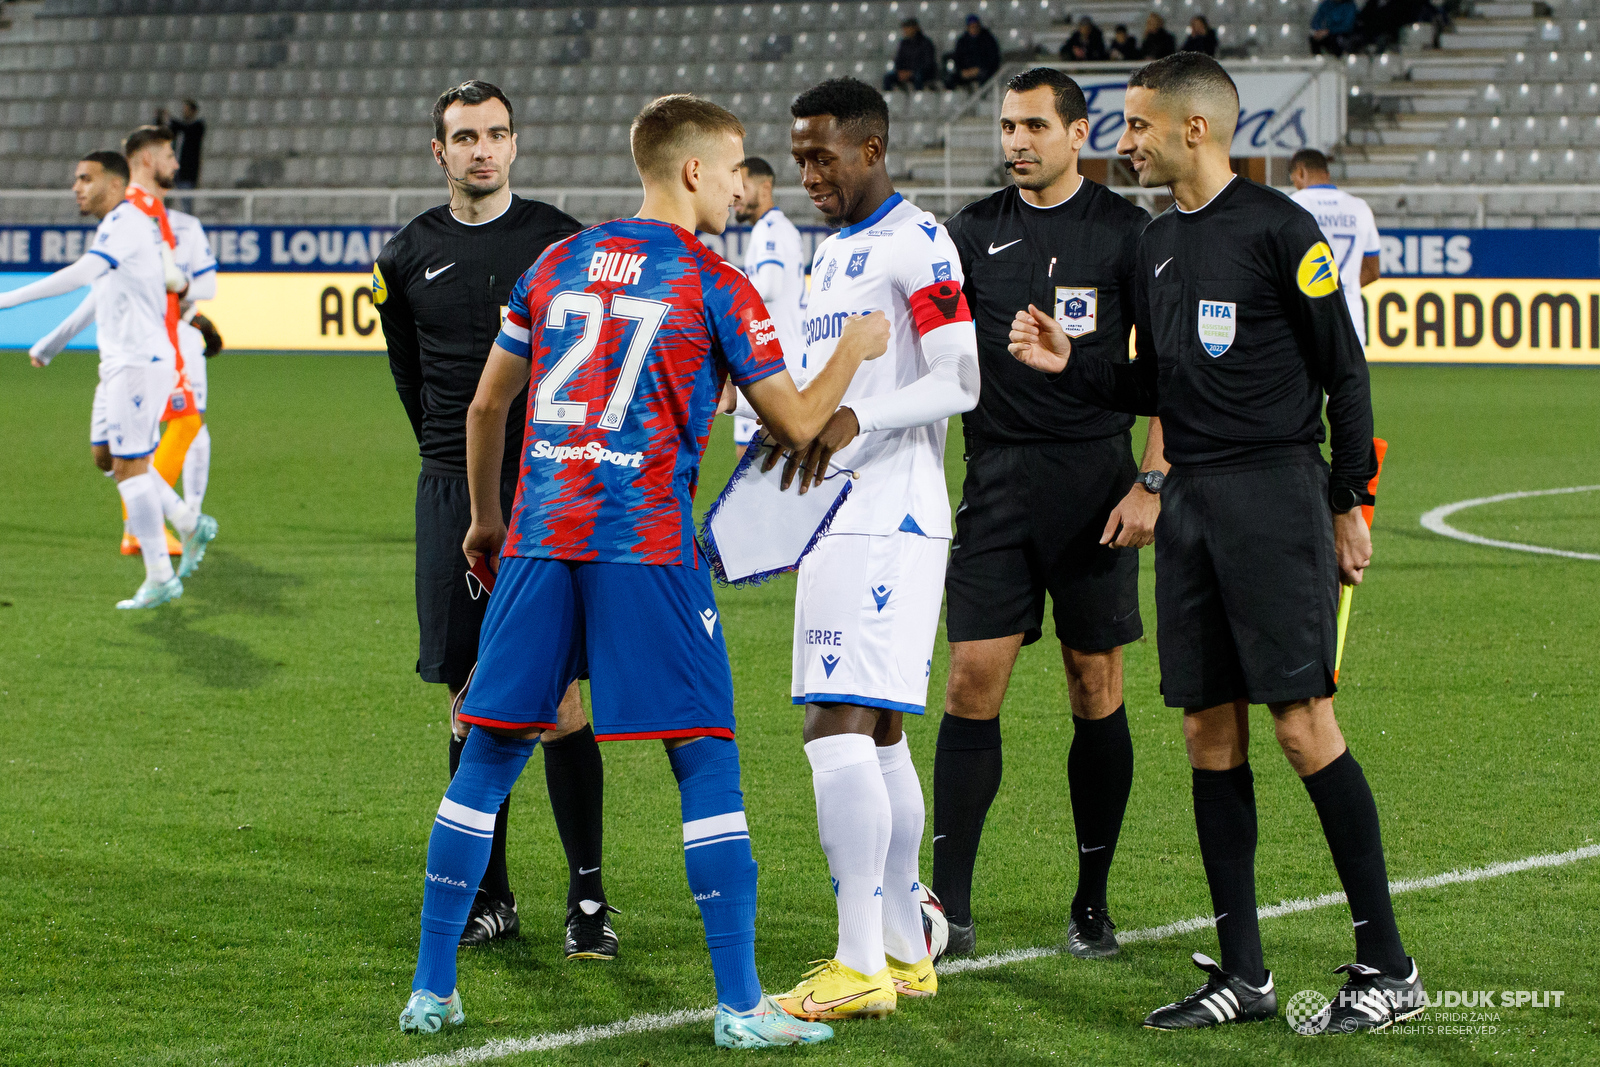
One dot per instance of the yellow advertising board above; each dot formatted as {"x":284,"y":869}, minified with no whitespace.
{"x":1483,"y":320}
{"x":296,"y":312}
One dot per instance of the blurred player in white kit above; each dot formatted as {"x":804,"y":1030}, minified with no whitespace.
{"x":774,"y":261}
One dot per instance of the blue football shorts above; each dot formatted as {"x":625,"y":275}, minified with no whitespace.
{"x":649,"y":638}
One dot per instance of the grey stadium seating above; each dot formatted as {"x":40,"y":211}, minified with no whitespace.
{"x":336,"y":92}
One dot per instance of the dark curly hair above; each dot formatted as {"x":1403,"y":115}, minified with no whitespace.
{"x":856,"y":107}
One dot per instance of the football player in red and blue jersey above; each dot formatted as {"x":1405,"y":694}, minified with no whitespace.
{"x":625,"y":335}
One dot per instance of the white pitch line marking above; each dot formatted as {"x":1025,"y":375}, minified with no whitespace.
{"x":641,"y":1024}
{"x":1434,"y":520}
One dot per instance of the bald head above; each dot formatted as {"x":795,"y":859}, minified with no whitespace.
{"x":1187,"y":84}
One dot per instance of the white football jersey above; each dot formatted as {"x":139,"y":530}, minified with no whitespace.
{"x":903,"y":263}
{"x":774,"y":239}
{"x":194,"y":250}
{"x":1352,"y":233}
{"x":131,"y":298}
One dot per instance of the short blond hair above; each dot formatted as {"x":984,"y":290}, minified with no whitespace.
{"x":671,"y":128}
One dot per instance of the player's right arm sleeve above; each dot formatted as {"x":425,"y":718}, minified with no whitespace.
{"x":1126,"y":387}
{"x":400,"y":337}
{"x":742,"y":326}
{"x":50,"y":345}
{"x":91,"y":266}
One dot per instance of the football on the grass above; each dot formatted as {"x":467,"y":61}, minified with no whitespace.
{"x":935,"y":927}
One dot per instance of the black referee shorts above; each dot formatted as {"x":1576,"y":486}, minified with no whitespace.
{"x":1030,"y":522}
{"x":447,"y":616}
{"x":1247,"y":586}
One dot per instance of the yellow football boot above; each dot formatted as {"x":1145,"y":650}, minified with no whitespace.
{"x":914,"y":979}
{"x":830,"y":990}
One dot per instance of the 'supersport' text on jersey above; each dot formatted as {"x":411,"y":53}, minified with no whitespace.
{"x":631,"y":327}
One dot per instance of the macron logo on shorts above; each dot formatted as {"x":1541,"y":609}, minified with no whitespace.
{"x":708,"y":619}
{"x":829,"y":663}
{"x":882,"y":595}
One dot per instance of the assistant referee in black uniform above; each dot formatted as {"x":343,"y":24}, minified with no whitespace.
{"x":1241,"y":331}
{"x":439,"y":287}
{"x":1050,"y":504}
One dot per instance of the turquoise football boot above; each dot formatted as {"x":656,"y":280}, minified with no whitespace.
{"x":427,"y":1014}
{"x":151,"y":594}
{"x":194,"y":546}
{"x":766,"y":1026}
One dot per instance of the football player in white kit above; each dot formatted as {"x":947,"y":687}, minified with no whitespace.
{"x":774,"y":261}
{"x":199,"y":266}
{"x":867,"y":606}
{"x":128,"y":275}
{"x":1346,"y":221}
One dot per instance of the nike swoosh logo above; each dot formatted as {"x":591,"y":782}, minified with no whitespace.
{"x":430,"y":275}
{"x":1297,"y":670}
{"x":808,"y":1005}
{"x":1363,"y":922}
{"x":587,"y":870}
{"x":1086,"y":849}
{"x":1219,"y":918}
{"x":1163,"y":266}
{"x":1002,"y":248}
{"x":940,"y":837}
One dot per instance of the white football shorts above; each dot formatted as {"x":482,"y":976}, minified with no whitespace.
{"x":128,"y":404}
{"x":193,"y":345}
{"x":744,"y":430}
{"x":865,"y":616}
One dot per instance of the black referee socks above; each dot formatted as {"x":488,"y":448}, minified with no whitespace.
{"x":1225,"y":817}
{"x":1350,"y":822}
{"x":966,"y":777}
{"x":1099,"y":777}
{"x":575,"y":776}
{"x":496,"y":884}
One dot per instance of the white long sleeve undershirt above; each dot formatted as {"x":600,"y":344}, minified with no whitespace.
{"x":50,"y":345}
{"x":74,"y":276}
{"x":949,"y":388}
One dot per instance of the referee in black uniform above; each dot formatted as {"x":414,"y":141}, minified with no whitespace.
{"x":439,"y":287}
{"x":1052,"y":503}
{"x":1241,"y":332}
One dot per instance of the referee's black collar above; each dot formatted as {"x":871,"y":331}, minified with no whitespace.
{"x":1218,"y":197}
{"x":1082,"y":182}
{"x":511,"y":203}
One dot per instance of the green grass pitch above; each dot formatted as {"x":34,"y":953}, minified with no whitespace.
{"x":215,"y":814}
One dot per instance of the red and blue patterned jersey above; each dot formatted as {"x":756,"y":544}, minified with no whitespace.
{"x":631,"y":328}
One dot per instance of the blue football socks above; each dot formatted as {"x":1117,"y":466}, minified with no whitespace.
{"x":722,"y":871}
{"x":458,"y":851}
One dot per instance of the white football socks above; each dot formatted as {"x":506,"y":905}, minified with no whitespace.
{"x":143,"y":502}
{"x":197,"y":469}
{"x":903,"y":936}
{"x":854,"y":822}
{"x":172,"y":506}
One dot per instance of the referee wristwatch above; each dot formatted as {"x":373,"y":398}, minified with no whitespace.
{"x":1344,"y":500}
{"x":1152,"y":481}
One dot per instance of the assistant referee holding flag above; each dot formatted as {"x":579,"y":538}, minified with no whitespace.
{"x":439,"y":287}
{"x":1241,"y":330}
{"x":1050,"y":504}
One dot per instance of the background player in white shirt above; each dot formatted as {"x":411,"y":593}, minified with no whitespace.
{"x":1346,"y":222}
{"x":126,"y":270}
{"x":774,"y":261}
{"x":867,"y":606}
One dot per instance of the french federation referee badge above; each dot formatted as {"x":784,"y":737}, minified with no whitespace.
{"x":380,"y":289}
{"x":1075,"y":310}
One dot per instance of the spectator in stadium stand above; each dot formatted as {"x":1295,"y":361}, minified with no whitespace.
{"x":1333,"y":27}
{"x":1086,"y":45}
{"x":1123,"y":46}
{"x":1158,"y":40}
{"x":916,"y":60}
{"x":976,"y":58}
{"x":191,"y":133}
{"x":1202,"y":38}
{"x":1379,"y":24}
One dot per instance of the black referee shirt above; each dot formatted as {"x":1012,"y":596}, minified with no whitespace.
{"x":1074,"y":260}
{"x":439,"y":286}
{"x":1241,"y":328}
